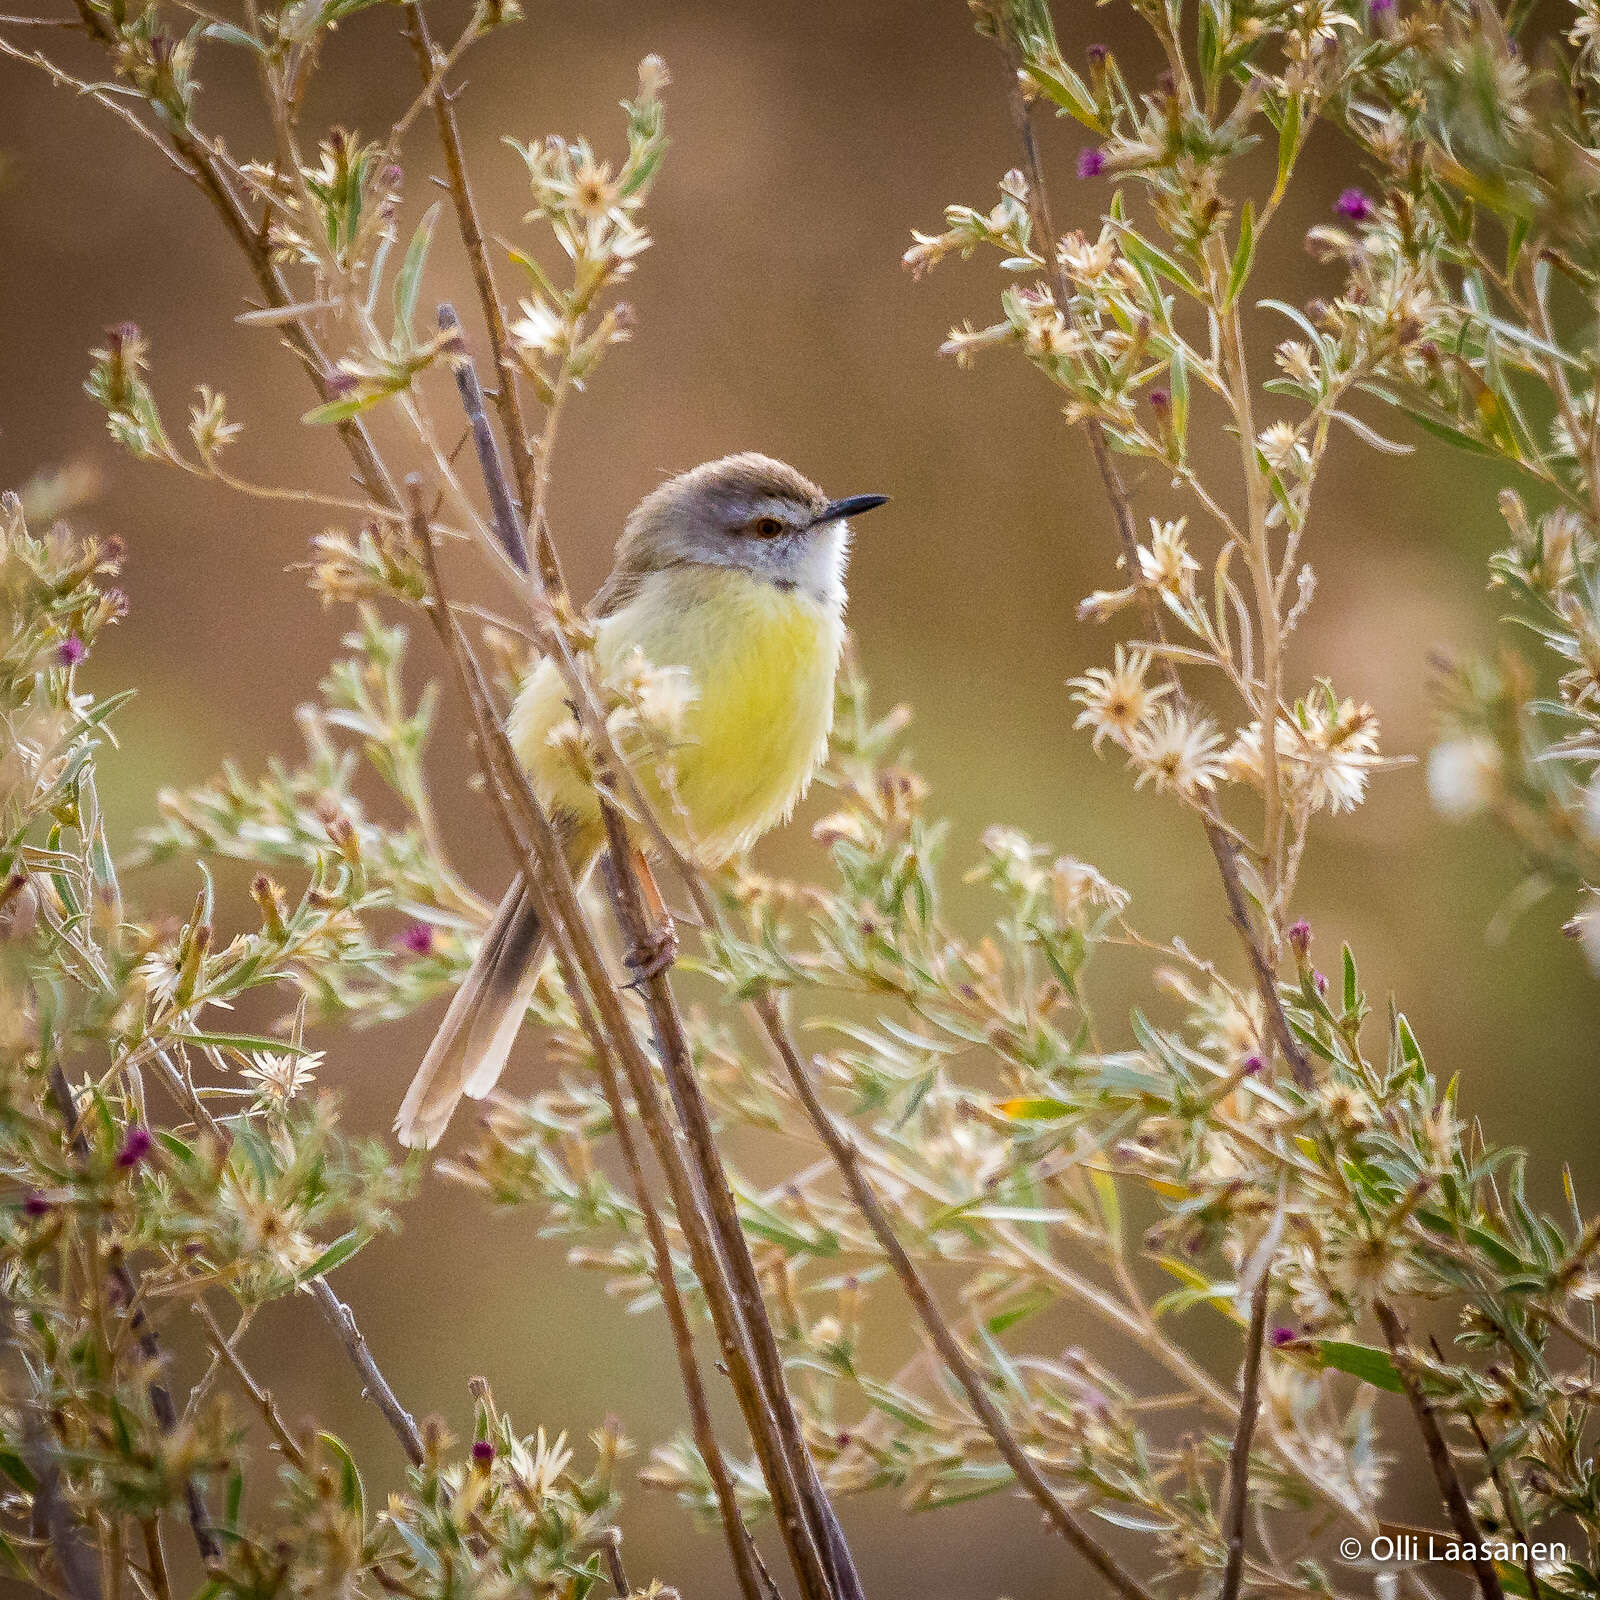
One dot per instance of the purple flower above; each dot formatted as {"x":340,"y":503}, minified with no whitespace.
{"x":1300,"y":937}
{"x":418,"y":939}
{"x":1321,"y":981}
{"x":1380,"y":6}
{"x":1091,"y":162}
{"x":71,"y":650}
{"x":482,"y":1452}
{"x":1253,"y":1064}
{"x":1354,"y":204}
{"x":1160,"y":401}
{"x":135,"y":1147}
{"x":1281,"y":1336}
{"x":1097,"y":54}
{"x":36,"y":1204}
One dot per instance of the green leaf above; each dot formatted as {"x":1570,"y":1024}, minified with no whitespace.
{"x":18,"y":1471}
{"x":228,"y":34}
{"x":337,"y":1253}
{"x":1288,"y":145}
{"x":1105,"y":1188}
{"x":1035,"y":1108}
{"x":1178,"y":381}
{"x":408,"y":281}
{"x":352,"y":1495}
{"x":424,"y":1558}
{"x":541,"y":279}
{"x":1029,"y":1305}
{"x":341,"y":410}
{"x":238,"y":1041}
{"x":1065,"y":90}
{"x":1364,"y":1361}
{"x":1244,"y":254}
{"x":1140,"y":250}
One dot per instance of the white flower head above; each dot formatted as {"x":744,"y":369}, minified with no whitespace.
{"x":1014,"y":855}
{"x":1463,"y":775}
{"x":1077,"y":887}
{"x":541,"y":1467}
{"x":1178,"y":752}
{"x":279,"y":1075}
{"x":158,"y":972}
{"x":1116,"y":700}
{"x":1326,"y":752}
{"x":1280,"y":444}
{"x":1086,"y":263}
{"x":659,"y":697}
{"x":1165,"y":563}
{"x":540,"y":330}
{"x":1338,"y":749}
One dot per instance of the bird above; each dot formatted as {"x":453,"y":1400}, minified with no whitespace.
{"x":732,"y":576}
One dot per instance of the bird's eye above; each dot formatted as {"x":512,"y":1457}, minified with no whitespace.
{"x":768,"y":527}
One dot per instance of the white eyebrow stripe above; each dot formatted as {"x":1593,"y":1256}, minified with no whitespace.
{"x":772,"y":505}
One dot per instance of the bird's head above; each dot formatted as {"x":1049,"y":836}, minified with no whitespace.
{"x":751,"y":513}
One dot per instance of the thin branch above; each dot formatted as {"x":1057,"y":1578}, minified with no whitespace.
{"x":155,"y":1559}
{"x":53,"y":1521}
{"x":610,"y":1547}
{"x":507,"y":520}
{"x":262,"y":1398}
{"x":672,"y":1046}
{"x":165,"y":1412}
{"x":1239,"y":1455}
{"x":740,"y":1547}
{"x":507,"y":398}
{"x":1444,"y":1470}
{"x":843,"y":1150}
{"x":1498,"y":1478}
{"x":375,"y":1386}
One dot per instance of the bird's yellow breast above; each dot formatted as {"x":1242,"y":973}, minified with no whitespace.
{"x":761,"y":663}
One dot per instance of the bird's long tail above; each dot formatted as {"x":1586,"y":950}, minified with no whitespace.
{"x":469,"y":1051}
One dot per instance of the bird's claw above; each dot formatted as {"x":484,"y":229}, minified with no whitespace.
{"x":654,"y":955}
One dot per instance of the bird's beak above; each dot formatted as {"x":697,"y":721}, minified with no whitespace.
{"x":852,"y":506}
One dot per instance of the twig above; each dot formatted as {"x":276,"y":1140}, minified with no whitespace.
{"x":1239,"y":1455}
{"x":507,"y":521}
{"x":1217,"y":836}
{"x":165,"y":1412}
{"x":262,"y":1398}
{"x":53,"y":1521}
{"x":155,"y":1559}
{"x":672,"y":1046}
{"x":1497,"y":1477}
{"x":507,"y":399}
{"x":740,"y":1547}
{"x":202,"y":166}
{"x":375,"y":1385}
{"x":610,"y":1546}
{"x":1444,"y":1470}
{"x":843,"y":1151}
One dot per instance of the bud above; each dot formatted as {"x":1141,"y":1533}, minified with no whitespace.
{"x":269,"y":898}
{"x":135,"y":1147}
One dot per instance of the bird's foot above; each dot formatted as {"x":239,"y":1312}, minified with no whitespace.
{"x":654,"y":955}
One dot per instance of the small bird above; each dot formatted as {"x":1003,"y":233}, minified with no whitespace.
{"x":731,"y":575}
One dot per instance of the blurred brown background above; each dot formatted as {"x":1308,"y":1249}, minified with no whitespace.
{"x":808,"y":139}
